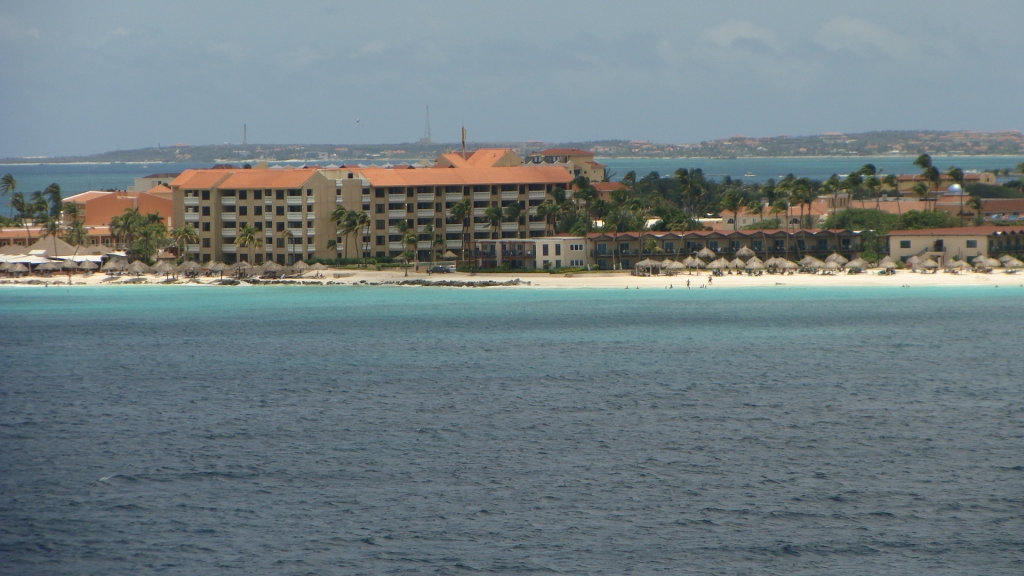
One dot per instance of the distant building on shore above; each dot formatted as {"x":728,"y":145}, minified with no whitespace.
{"x":577,"y":162}
{"x":964,"y":243}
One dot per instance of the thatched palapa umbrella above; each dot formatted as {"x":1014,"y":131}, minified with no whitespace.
{"x":696,"y":263}
{"x":719,"y":264}
{"x":190,"y":268}
{"x":958,"y":265}
{"x":139,"y":267}
{"x":979,"y":260}
{"x":1005,"y":257}
{"x":886,"y":262}
{"x":837,"y":258}
{"x":705,"y":253}
{"x":318,"y":266}
{"x":858,"y":263}
{"x":17,"y":268}
{"x":745,"y":253}
{"x":1013,"y":264}
{"x":737,"y":263}
{"x":449,"y":255}
{"x":831,"y":266}
{"x":673,"y":265}
{"x":928,"y":264}
{"x":300,"y":267}
{"x":48,"y":267}
{"x":241,"y":268}
{"x":754,"y":264}
{"x":787,"y":265}
{"x":993,"y":263}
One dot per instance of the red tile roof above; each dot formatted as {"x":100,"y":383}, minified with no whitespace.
{"x":961,"y":231}
{"x":468,"y":176}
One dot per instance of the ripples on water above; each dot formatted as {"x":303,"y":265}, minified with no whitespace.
{"x":287,"y":430}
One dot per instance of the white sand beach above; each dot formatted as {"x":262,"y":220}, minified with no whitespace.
{"x":608,"y":280}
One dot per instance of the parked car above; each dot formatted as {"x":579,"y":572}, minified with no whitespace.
{"x":441,"y":269}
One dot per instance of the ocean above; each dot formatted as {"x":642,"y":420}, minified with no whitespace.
{"x":370,"y":430}
{"x":75,"y":178}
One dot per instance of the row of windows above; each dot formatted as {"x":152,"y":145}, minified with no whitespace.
{"x":244,"y":194}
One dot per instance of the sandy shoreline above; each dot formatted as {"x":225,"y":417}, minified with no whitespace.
{"x":609,"y":280}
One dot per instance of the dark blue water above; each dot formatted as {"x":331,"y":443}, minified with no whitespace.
{"x":281,"y":430}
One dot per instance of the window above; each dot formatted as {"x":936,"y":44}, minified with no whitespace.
{"x":380,"y":208}
{"x":309,"y":191}
{"x":280,"y":242}
{"x":544,"y":249}
{"x":713,"y":245}
{"x":576,"y":263}
{"x":242,"y":195}
{"x":380,"y":240}
{"x":558,"y":250}
{"x":295,"y":225}
{"x":438,"y":222}
{"x":259,"y":225}
{"x":408,"y":208}
{"x":206,"y":226}
{"x":294,"y":208}
{"x":295,"y":192}
{"x":206,"y":210}
{"x":206,"y":194}
{"x":669,"y":247}
{"x":206,"y":242}
{"x":280,"y":194}
{"x":228,"y":209}
{"x":970,"y":244}
{"x":381,"y":225}
{"x":280,"y":226}
{"x":243,"y":210}
{"x":558,"y":263}
{"x":904,"y":243}
{"x":227,"y":193}
{"x":257,"y":194}
{"x":378,"y":193}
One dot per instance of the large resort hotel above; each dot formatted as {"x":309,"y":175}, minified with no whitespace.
{"x":293,"y":207}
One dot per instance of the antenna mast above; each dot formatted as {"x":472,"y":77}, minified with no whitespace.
{"x":426,"y":130}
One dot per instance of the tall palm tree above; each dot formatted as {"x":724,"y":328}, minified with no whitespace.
{"x":183,"y":235}
{"x":349,"y":226}
{"x":8,"y":184}
{"x":128,"y":226}
{"x":54,"y":199}
{"x":892,"y":181}
{"x":72,"y":211}
{"x":249,"y":237}
{"x":975,"y":204}
{"x":928,"y":171}
{"x":76,"y":233}
{"x":410,"y":239}
{"x":957,"y":175}
{"x":495,"y":215}
{"x":338,"y":217}
{"x":462,"y":212}
{"x":732,"y":201}
{"x":362,"y":221}
{"x":51,"y":228}
{"x":921,"y":191}
{"x":287,"y":235}
{"x":514,"y":210}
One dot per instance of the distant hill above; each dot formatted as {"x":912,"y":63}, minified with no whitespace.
{"x":831,"y":144}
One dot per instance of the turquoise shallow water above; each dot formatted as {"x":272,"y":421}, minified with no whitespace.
{"x":372,"y":430}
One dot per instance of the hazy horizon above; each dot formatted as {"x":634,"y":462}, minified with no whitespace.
{"x":77,"y":79}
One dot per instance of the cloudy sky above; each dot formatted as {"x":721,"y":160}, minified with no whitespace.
{"x":84,"y":77}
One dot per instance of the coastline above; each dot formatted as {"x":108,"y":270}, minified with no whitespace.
{"x":584,"y":280}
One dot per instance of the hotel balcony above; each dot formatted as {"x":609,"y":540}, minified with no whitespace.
{"x":509,"y":226}
{"x":425,"y":213}
{"x":228,"y":216}
{"x":295,"y":200}
{"x":509,"y":194}
{"x":268,"y":215}
{"x":481,"y":227}
{"x":453,"y":228}
{"x":191,"y":201}
{"x":229,"y":248}
{"x":366,"y":198}
{"x":229,"y":232}
{"x":310,"y":231}
{"x":396,"y":197}
{"x":453,"y":244}
{"x":453,"y":196}
{"x":396,"y":246}
{"x":397,"y":214}
{"x":425,"y":197}
{"x":227,"y":201}
{"x":479,"y":211}
{"x":536,"y":225}
{"x":191,"y":216}
{"x":192,"y":248}
{"x":423,"y":245}
{"x":296,"y":216}
{"x":481,"y":195}
{"x":537,"y":194}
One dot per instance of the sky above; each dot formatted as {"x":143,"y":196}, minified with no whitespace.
{"x":88,"y":77}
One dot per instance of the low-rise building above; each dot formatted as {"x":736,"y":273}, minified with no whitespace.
{"x":98,"y":207}
{"x":577,"y":162}
{"x":544,"y":253}
{"x":964,"y":243}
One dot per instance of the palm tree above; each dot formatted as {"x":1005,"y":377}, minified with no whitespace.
{"x":495,"y":215}
{"x":514,"y":210}
{"x":250,"y":237}
{"x":362,"y":220}
{"x":975,"y":204}
{"x":921,"y":191}
{"x":461,"y":212}
{"x":287,"y":235}
{"x":928,"y":171}
{"x":892,"y":181}
{"x":128,"y":226}
{"x":51,"y":227}
{"x":183,"y":235}
{"x":8,"y":184}
{"x":76,"y":233}
{"x":547,"y":209}
{"x":349,"y":225}
{"x":53,"y":198}
{"x":338,"y":217}
{"x":410,"y":239}
{"x":957,"y":175}
{"x":732,"y":202}
{"x":71,"y":210}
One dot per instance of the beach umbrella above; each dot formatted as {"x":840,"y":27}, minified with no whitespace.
{"x":271,"y":266}
{"x":69,"y":264}
{"x":241,"y":267}
{"x":754,"y":264}
{"x":774,"y":262}
{"x":87,"y":265}
{"x":979,"y":260}
{"x":837,"y":258}
{"x":1005,"y":257}
{"x":139,"y":267}
{"x":858,"y":263}
{"x":993,"y":263}
{"x":696,"y":263}
{"x":115,"y":265}
{"x":929,"y":264}
{"x":913,"y":260}
{"x":48,"y":267}
{"x":705,"y":253}
{"x":318,"y":266}
{"x":885,"y":262}
{"x":736,"y":263}
{"x":832,"y":265}
{"x":6,"y":266}
{"x":719,"y":264}
{"x":164,"y":267}
{"x":300,"y":266}
{"x":673,"y":265}
{"x":957,"y":265}
{"x":18,"y":268}
{"x":808,"y":260}
{"x":745,"y":253}
{"x":1013,"y":263}
{"x":449,"y":255}
{"x":787,"y":265}
{"x":190,"y":268}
